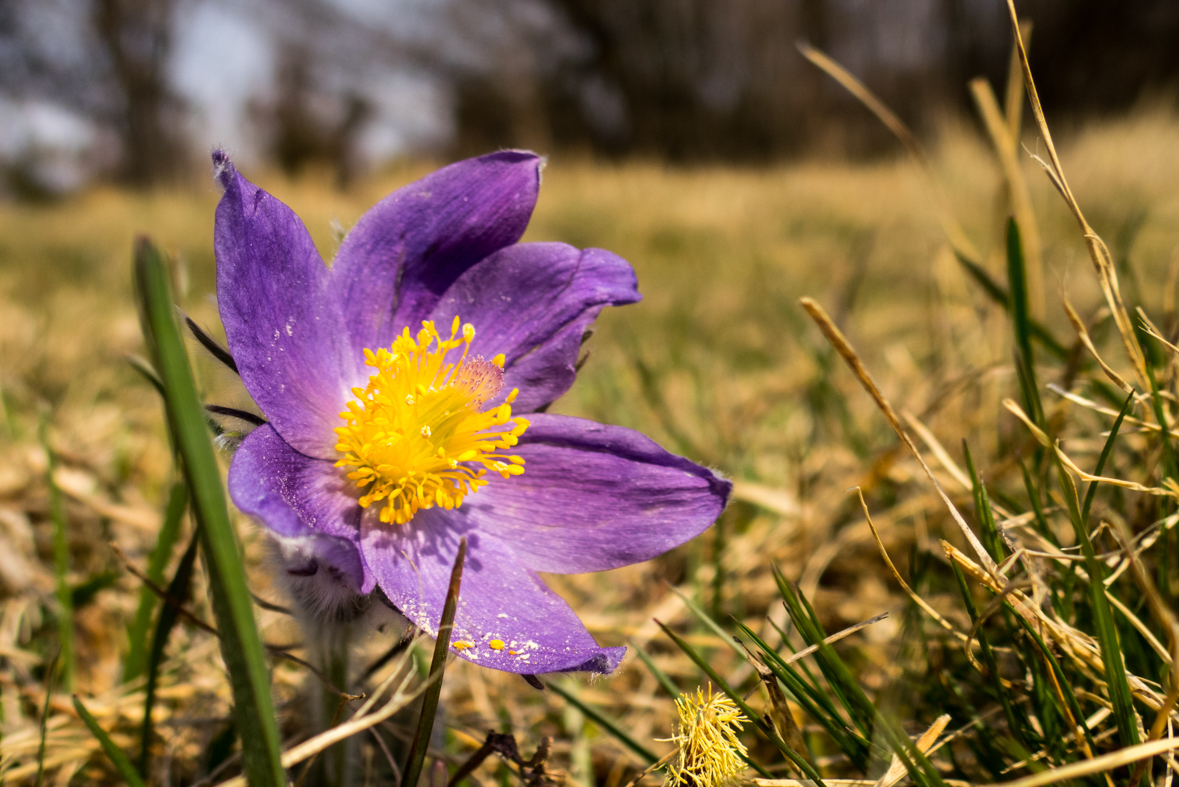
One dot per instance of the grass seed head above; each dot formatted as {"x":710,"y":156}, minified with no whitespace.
{"x":710,"y":754}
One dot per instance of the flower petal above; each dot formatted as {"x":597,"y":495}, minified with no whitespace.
{"x":406,"y":250}
{"x":284,"y":334}
{"x":507,"y":619}
{"x":532,"y":302}
{"x":594,"y":497}
{"x":297,"y":497}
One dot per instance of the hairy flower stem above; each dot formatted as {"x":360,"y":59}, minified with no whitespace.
{"x":336,"y":667}
{"x":331,"y":768}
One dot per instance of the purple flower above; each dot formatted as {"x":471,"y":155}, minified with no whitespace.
{"x":388,"y":441}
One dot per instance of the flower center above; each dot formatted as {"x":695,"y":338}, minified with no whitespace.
{"x":417,"y":435}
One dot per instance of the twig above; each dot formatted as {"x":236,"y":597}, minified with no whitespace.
{"x":661,"y":762}
{"x":500,"y":743}
{"x":163,"y":594}
{"x":844,"y":348}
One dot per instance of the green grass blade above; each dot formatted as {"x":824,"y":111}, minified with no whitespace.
{"x":803,"y":690}
{"x":1018,"y":293}
{"x":814,"y":681}
{"x":178,"y":589}
{"x":1169,"y":463}
{"x":1105,"y":630}
{"x":707,"y":620}
{"x":607,"y":724}
{"x":718,"y":572}
{"x":844,"y":684}
{"x":220,"y":748}
{"x":1021,"y":322}
{"x":1014,"y":724}
{"x":815,"y":704}
{"x":421,"y":738}
{"x":983,"y":512}
{"x":86,"y":591}
{"x":762,"y":724}
{"x":1091,"y":492}
{"x":165,"y":542}
{"x":61,"y":562}
{"x":241,"y":646}
{"x":50,"y":674}
{"x":1000,"y":296}
{"x":665,"y":681}
{"x":762,"y":772}
{"x":859,"y":708}
{"x":1066,"y":689}
{"x":1037,"y":505}
{"x":148,"y":373}
{"x":116,"y":755}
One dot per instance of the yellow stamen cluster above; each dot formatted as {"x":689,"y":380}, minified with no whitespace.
{"x":710,"y":754}
{"x":416,"y":434}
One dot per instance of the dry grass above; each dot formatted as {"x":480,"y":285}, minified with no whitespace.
{"x":718,"y":362}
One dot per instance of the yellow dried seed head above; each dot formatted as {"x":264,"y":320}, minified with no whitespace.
{"x":710,"y":754}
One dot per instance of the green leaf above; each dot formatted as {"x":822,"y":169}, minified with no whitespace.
{"x":220,"y":748}
{"x":983,"y":511}
{"x":1106,"y":632}
{"x":859,"y":708}
{"x":165,"y":542}
{"x":148,"y":373}
{"x":707,"y":620}
{"x":762,"y":724}
{"x":844,"y":684}
{"x":1091,"y":492}
{"x":61,"y":562}
{"x":607,"y":724}
{"x":50,"y":674}
{"x":1025,"y":362}
{"x":1037,"y":506}
{"x":116,"y":755}
{"x":1001,"y":297}
{"x":665,"y":681}
{"x":1016,"y":725}
{"x":815,"y":703}
{"x":1066,"y":689}
{"x":1170,"y":469}
{"x":241,"y":647}
{"x":83,"y":593}
{"x":178,"y":589}
{"x":421,"y":737}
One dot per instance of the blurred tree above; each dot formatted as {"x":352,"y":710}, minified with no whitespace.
{"x":679,"y":80}
{"x":105,"y":61}
{"x":690,"y":80}
{"x":331,"y":60}
{"x":135,"y":37}
{"x":302,"y":132}
{"x":1100,"y":55}
{"x":720,"y":79}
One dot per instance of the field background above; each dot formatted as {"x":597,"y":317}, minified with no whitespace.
{"x":718,"y":363}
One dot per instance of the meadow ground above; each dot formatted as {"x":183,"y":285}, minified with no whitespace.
{"x":718,"y":363}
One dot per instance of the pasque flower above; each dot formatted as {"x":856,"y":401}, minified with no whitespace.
{"x":404,"y":391}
